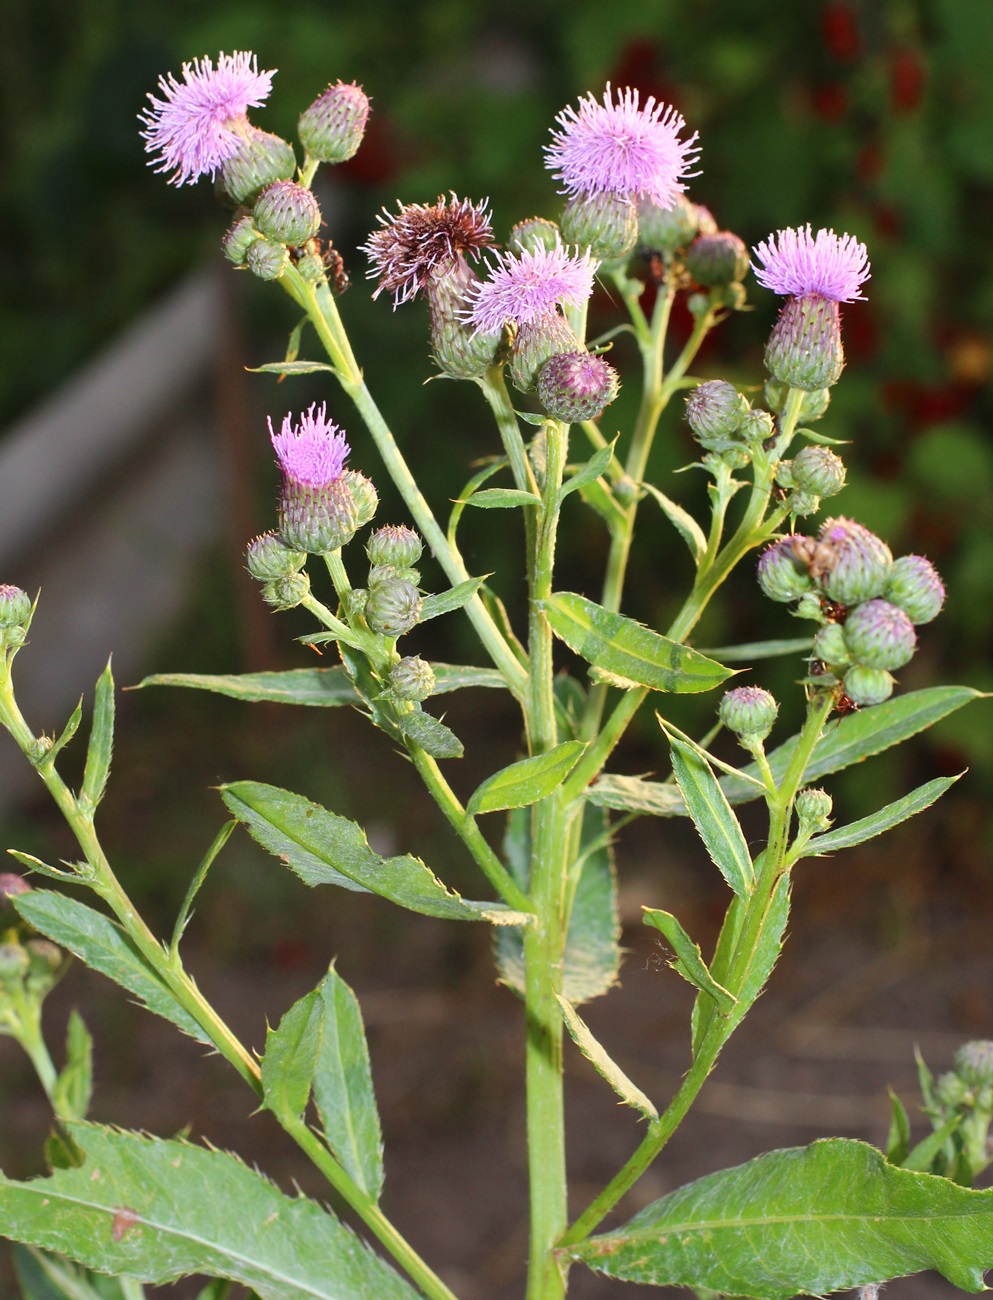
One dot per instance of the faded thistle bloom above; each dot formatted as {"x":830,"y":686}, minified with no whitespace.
{"x":200,"y":121}
{"x":316,"y":509}
{"x":815,"y":273}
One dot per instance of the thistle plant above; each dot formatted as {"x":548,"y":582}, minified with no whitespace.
{"x":575,"y":672}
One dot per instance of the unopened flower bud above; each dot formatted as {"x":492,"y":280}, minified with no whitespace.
{"x":238,"y":239}
{"x":851,"y":563}
{"x":412,"y":678}
{"x":15,"y":606}
{"x":267,"y":260}
{"x":781,"y":574}
{"x":951,"y":1091}
{"x":536,"y":342}
{"x":813,"y":809}
{"x":755,"y":427}
{"x":311,"y":268}
{"x":749,"y":712}
{"x":664,"y":230}
{"x":46,"y":963}
{"x":533,"y":234}
{"x":916,"y":588}
{"x":11,"y":886}
{"x":717,"y":259}
{"x":287,"y":213}
{"x":715,"y":411}
{"x":576,"y":386}
{"x":803,"y":503}
{"x":606,"y":224}
{"x":867,"y":686}
{"x":390,"y":572}
{"x":261,"y":159}
{"x":706,"y":222}
{"x":268,"y":558}
{"x":363,"y":495}
{"x":13,"y":963}
{"x":880,"y":635}
{"x":818,"y":471}
{"x":973,"y":1063}
{"x":812,"y":405}
{"x":394,"y":544}
{"x":810,"y":605}
{"x":804,"y":348}
{"x":830,"y":646}
{"x":393,"y":608}
{"x":331,"y":129}
{"x":288,"y":592}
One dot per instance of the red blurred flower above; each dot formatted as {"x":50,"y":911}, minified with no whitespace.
{"x":840,"y":31}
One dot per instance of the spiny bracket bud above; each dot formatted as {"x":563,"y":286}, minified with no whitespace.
{"x":261,"y":159}
{"x":268,"y":558}
{"x":533,"y":235}
{"x":576,"y":386}
{"x":782,"y":575}
{"x":804,"y":348}
{"x":363,"y":494}
{"x":880,"y":635}
{"x":331,"y":129}
{"x":238,"y":238}
{"x":394,"y":544}
{"x":850,"y":563}
{"x":830,"y":646}
{"x":817,"y":471}
{"x":750,"y":712}
{"x":715,"y":410}
{"x":287,"y":213}
{"x":267,"y":260}
{"x":867,"y":686}
{"x":536,"y":342}
{"x":15,"y":607}
{"x":288,"y":592}
{"x":718,"y":259}
{"x":412,"y":679}
{"x":606,"y":224}
{"x":665,"y":230}
{"x":916,"y":587}
{"x":393,"y":607}
{"x":813,"y":810}
{"x":973,"y":1063}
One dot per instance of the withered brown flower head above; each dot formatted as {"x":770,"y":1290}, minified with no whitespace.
{"x":422,"y":237}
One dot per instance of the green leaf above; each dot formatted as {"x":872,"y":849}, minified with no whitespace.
{"x":688,"y":960}
{"x":343,"y":1091}
{"x":323,"y":687}
{"x":323,"y":848}
{"x":867,"y":828}
{"x":807,"y":1220}
{"x":598,"y":496}
{"x":447,"y":601}
{"x":501,"y":499}
{"x":604,"y":1065}
{"x":592,"y":949}
{"x":524,"y":783}
{"x":291,"y":1057}
{"x":619,"y":645}
{"x":716,"y":824}
{"x":632,"y":794}
{"x":898,"y":1140}
{"x":161,"y":1210}
{"x":100,"y":943}
{"x":923,"y":1155}
{"x":74,"y":1086}
{"x":683,"y":522}
{"x":68,"y":731}
{"x":596,"y":466}
{"x":101,"y":742}
{"x":290,"y":368}
{"x":765,"y":953}
{"x":862,"y":734}
{"x":43,"y":1276}
{"x":431,"y":734}
{"x":736,"y":654}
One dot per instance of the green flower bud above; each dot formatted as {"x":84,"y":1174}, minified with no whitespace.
{"x":311,"y":268}
{"x":606,"y":224}
{"x":536,"y":342}
{"x":390,"y":572}
{"x":830,"y":646}
{"x":749,"y":712}
{"x":394,"y":544}
{"x":813,"y":810}
{"x":810,"y":606}
{"x":268,"y":558}
{"x":706,"y":223}
{"x":915,"y":586}
{"x":973,"y":1063}
{"x":393,"y":608}
{"x":867,"y":686}
{"x":331,"y":129}
{"x":717,"y":259}
{"x":715,"y":410}
{"x":288,"y":592}
{"x":364,"y":497}
{"x":46,"y":964}
{"x":13,"y":964}
{"x":15,"y":607}
{"x":412,"y":679}
{"x":879,"y":635}
{"x":803,"y":503}
{"x":850,"y":563}
{"x":11,"y":886}
{"x":576,"y":386}
{"x":534,"y":235}
{"x":782,"y":575}
{"x":267,"y":260}
{"x":665,"y":230}
{"x":804,"y":348}
{"x":261,"y":159}
{"x":756,"y":427}
{"x":818,"y":471}
{"x":950,"y":1091}
{"x":238,"y":239}
{"x":287,"y":213}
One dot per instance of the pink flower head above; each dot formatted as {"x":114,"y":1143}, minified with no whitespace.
{"x":422,"y":238}
{"x":799,"y":264}
{"x":313,"y":452}
{"x":529,"y":285}
{"x":619,"y":147}
{"x":194,"y":127}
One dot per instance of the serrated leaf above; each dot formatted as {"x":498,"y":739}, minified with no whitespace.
{"x":161,"y":1210}
{"x":323,"y":848}
{"x":290,"y":368}
{"x":898,"y":1140}
{"x":620,"y":645}
{"x":101,"y":744}
{"x":765,"y":953}
{"x":431,"y":734}
{"x":736,"y":654}
{"x":807,"y":1220}
{"x":501,"y":499}
{"x":604,"y":1065}
{"x":74,"y":1085}
{"x":861,"y":735}
{"x":689,"y":961}
{"x":68,"y":731}
{"x":291,"y":1057}
{"x":343,"y":1091}
{"x":101,"y":944}
{"x":711,"y":813}
{"x":592,"y":950}
{"x":521,"y":784}
{"x":594,"y":468}
{"x":634,"y":794}
{"x":320,"y":687}
{"x":683,"y":522}
{"x":444,"y":602}
{"x":867,"y":828}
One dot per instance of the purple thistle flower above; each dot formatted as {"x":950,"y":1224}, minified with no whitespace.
{"x":423,"y":238}
{"x":527,"y":287}
{"x":195,"y":127}
{"x":312,"y":453}
{"x":799,"y":264}
{"x":619,"y":147}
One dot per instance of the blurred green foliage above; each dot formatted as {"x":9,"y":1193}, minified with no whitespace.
{"x":871,"y":116}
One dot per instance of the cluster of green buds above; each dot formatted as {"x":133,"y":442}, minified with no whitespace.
{"x":285,"y":216}
{"x":392,"y":603}
{"x":962,"y":1101}
{"x":30,"y":966}
{"x":15,"y":616}
{"x":814,"y":472}
{"x":867,"y":604}
{"x":723,"y":422}
{"x":280,"y":569}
